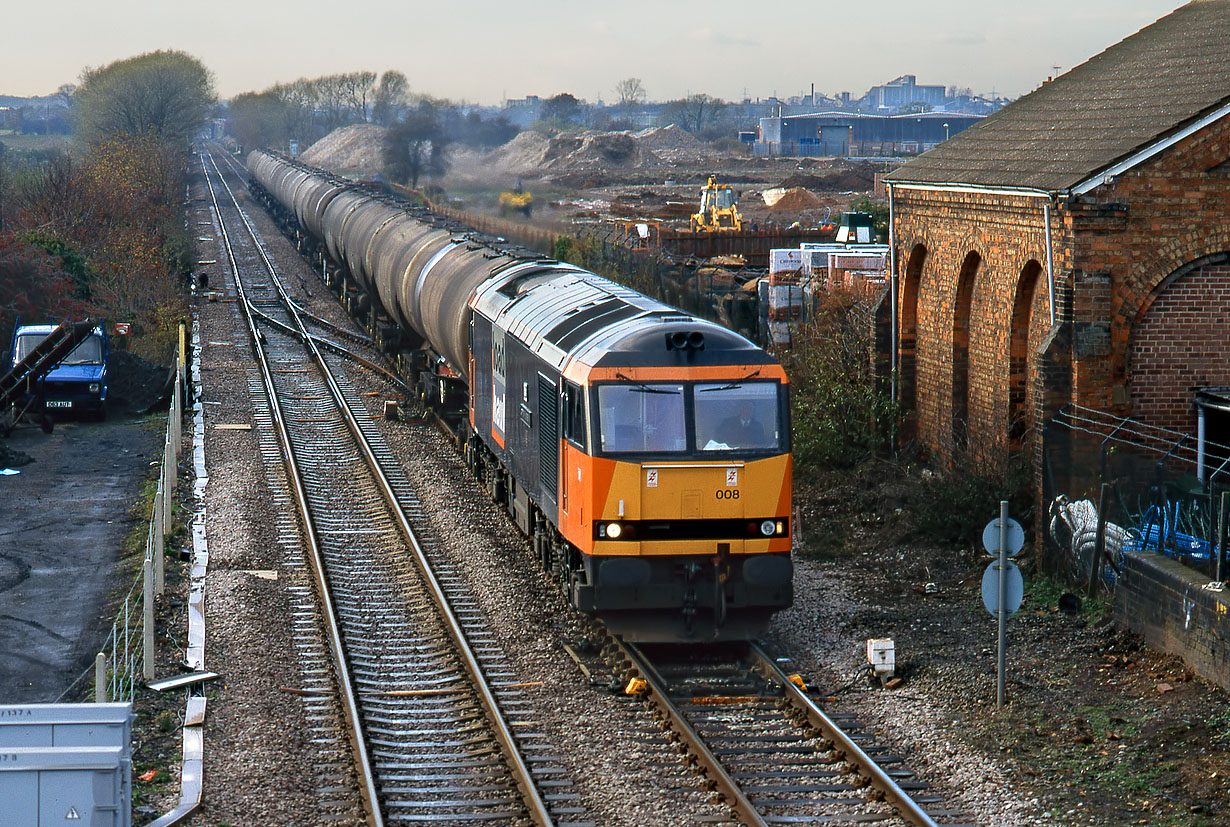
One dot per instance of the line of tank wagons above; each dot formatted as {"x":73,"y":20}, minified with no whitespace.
{"x":645,"y":452}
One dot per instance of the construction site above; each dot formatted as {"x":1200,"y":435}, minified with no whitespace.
{"x":649,"y":206}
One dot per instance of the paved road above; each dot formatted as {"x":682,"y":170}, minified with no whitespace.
{"x":62,"y":524}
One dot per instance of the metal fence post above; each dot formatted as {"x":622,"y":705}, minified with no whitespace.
{"x":100,"y":678}
{"x":147,"y":665}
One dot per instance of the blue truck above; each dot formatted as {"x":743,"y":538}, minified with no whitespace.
{"x":78,"y":384}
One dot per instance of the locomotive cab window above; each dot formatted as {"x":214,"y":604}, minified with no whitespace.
{"x":574,"y":414}
{"x":647,"y":418}
{"x":742,"y":416}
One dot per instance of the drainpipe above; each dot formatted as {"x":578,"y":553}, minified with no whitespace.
{"x":892,"y":288}
{"x":1050,"y":263}
{"x":1201,"y":435}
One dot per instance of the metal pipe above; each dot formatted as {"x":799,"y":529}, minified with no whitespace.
{"x":1200,"y":439}
{"x":1050,"y":264}
{"x":892,"y":282}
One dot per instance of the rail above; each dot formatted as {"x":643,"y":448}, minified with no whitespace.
{"x":531,"y":798}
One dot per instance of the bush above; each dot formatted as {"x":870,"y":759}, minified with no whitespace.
{"x":839,"y":415}
{"x":956,"y":506}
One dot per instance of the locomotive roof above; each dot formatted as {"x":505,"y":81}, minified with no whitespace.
{"x":562,"y":312}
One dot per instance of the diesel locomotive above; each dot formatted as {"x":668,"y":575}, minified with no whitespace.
{"x":645,"y":453}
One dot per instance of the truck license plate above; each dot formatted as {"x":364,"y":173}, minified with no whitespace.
{"x":59,"y":403}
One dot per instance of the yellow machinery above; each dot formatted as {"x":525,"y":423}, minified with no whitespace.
{"x":517,"y":201}
{"x":718,"y":212}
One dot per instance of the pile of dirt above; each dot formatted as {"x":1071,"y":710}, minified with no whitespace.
{"x":593,"y":149}
{"x":530,"y":152}
{"x":524,"y":153}
{"x":842,"y":178}
{"x":667,"y":137}
{"x":135,"y":385}
{"x":358,"y":147}
{"x":792,"y":199}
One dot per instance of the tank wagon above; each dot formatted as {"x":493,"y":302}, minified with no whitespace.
{"x":645,"y":452}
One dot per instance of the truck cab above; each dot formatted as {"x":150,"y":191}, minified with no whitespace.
{"x":78,"y":384}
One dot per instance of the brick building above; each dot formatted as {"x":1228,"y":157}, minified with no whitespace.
{"x":1073,"y":248}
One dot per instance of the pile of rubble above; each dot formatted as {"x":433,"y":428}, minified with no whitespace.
{"x":359,"y":147}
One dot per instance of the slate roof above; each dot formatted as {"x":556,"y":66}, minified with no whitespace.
{"x":1138,"y":91}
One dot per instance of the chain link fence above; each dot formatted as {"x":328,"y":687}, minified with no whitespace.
{"x":1114,"y":485}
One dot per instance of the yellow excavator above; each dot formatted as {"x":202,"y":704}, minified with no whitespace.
{"x":718,"y":212}
{"x":518,"y":200}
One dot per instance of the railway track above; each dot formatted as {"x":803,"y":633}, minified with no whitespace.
{"x":437,"y":723}
{"x":765,"y":745}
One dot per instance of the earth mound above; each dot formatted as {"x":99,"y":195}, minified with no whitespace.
{"x":359,"y":146}
{"x":780,"y":199}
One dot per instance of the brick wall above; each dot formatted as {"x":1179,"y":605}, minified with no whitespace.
{"x":1138,"y":337}
{"x":1181,"y":343}
{"x":1004,"y":234}
{"x":1132,"y":237}
{"x":1162,"y":600}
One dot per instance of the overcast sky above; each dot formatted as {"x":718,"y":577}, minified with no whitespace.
{"x":485,"y":51}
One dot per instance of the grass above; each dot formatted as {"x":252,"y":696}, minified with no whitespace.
{"x":35,"y":143}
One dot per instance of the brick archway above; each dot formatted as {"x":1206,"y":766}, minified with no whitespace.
{"x":907,"y":330}
{"x":1020,"y":417}
{"x":963,"y":305}
{"x":1179,"y":342}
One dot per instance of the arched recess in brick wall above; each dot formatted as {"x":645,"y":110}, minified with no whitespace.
{"x":1180,"y":342}
{"x":1020,"y":415}
{"x":907,"y":329}
{"x":960,"y":350}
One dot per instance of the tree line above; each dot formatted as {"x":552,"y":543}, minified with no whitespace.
{"x":96,"y":228}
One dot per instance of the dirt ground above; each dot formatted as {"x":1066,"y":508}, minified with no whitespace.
{"x":584,"y":177}
{"x":1100,"y":728}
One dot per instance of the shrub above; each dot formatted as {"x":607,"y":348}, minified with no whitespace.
{"x":840,"y":416}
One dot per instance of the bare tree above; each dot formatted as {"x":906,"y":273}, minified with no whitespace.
{"x":356,"y":89}
{"x":695,"y":112}
{"x":390,"y":97}
{"x":416,"y":145}
{"x":630,"y":92}
{"x":331,"y":103}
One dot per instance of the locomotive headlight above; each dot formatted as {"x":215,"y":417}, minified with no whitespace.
{"x":768,"y":527}
{"x":613,"y":530}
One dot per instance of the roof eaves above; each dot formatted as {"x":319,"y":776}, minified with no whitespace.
{"x":1107,"y":174}
{"x":957,"y":186}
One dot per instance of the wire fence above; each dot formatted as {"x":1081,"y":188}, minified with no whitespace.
{"x":127,"y":655}
{"x":1115,"y":484}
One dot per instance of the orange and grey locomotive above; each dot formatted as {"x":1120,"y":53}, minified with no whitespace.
{"x":645,"y":452}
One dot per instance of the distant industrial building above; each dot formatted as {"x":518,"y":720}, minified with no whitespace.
{"x":853,"y":134}
{"x":902,"y":92}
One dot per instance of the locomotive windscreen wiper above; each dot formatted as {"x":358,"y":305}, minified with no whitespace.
{"x":640,"y":387}
{"x":733,"y":385}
